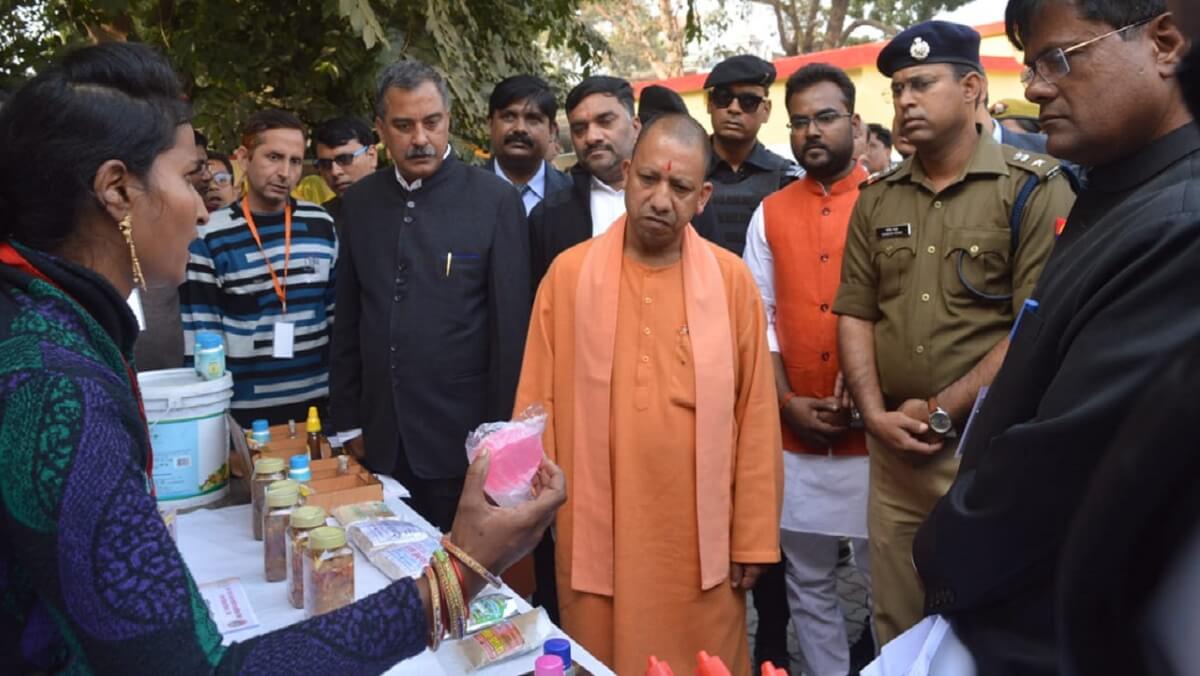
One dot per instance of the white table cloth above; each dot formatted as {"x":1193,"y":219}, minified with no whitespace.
{"x":217,"y":544}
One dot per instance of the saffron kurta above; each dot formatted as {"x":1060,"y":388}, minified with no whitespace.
{"x":658,"y":605}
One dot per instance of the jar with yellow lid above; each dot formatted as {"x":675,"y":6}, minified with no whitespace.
{"x":282,"y":498}
{"x":304,"y":521}
{"x":328,"y":571}
{"x":266,"y":472}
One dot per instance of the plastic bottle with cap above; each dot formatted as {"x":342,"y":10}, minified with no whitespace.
{"x":209,"y":355}
{"x":548,"y":665}
{"x":313,"y":427}
{"x":299,"y":469}
{"x":260,"y":433}
{"x":710,"y":665}
{"x":561,"y":648}
{"x":656,"y":667}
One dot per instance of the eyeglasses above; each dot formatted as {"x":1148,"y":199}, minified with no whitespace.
{"x":1054,"y":65}
{"x":343,"y":160}
{"x":821,"y":120}
{"x":723,"y":98}
{"x":222,"y":178}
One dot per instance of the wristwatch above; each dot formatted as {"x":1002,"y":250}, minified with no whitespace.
{"x":939,"y":419}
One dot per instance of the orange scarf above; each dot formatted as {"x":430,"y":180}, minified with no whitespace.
{"x":595,"y":340}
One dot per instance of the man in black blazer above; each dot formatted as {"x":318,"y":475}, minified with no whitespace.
{"x":433,"y":299}
{"x":603,"y":131}
{"x":1118,"y":293}
{"x":521,"y":121}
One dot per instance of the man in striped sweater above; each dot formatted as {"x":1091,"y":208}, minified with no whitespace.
{"x":261,"y":273}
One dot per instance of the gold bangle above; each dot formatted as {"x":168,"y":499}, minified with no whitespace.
{"x":435,"y":600}
{"x":453,"y":593}
{"x":467,"y":561}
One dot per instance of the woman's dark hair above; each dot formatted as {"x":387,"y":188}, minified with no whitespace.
{"x":115,"y":101}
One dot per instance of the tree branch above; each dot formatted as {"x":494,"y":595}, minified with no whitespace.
{"x":888,"y":29}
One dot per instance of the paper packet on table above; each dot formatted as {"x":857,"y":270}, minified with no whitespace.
{"x":405,"y":560}
{"x":516,"y":453}
{"x":348,"y":514}
{"x":522,"y":634}
{"x":371,"y":535}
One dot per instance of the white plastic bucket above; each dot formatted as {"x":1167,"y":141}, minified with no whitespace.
{"x":188,"y":434}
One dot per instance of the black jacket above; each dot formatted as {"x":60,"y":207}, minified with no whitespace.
{"x":433,"y":303}
{"x":1120,"y":290}
{"x":564,"y":219}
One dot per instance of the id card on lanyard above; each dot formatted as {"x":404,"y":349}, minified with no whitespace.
{"x":283,"y":341}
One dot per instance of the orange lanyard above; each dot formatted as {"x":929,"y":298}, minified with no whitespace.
{"x":280,"y":289}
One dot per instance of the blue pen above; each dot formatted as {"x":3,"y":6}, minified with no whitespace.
{"x":1031,"y":306}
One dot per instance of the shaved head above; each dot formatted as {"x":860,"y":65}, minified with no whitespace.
{"x":681,"y":128}
{"x":665,"y":185}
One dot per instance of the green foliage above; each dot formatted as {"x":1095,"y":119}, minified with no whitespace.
{"x":316,"y":58}
{"x":902,"y":13}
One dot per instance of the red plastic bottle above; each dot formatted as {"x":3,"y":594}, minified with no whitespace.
{"x":707,"y":665}
{"x":655,"y":667}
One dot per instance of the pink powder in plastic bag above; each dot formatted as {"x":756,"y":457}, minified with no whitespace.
{"x":516,"y":453}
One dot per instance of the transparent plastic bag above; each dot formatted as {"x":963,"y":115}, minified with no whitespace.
{"x":516,"y":453}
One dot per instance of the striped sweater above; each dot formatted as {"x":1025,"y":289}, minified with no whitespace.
{"x":229,"y":290}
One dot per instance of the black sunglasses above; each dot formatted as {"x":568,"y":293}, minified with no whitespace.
{"x":723,"y":98}
{"x":345,"y":159}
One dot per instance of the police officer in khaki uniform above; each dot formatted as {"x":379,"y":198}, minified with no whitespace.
{"x":941,"y":253}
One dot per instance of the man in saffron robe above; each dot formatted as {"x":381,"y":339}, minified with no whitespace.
{"x":647,"y":346}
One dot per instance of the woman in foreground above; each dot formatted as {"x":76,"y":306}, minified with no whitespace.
{"x":95,"y":199}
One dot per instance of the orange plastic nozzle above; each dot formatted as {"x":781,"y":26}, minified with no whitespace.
{"x":655,"y":667}
{"x":708,"y":665}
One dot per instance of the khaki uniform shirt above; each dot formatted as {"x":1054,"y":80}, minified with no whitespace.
{"x":913,"y":257}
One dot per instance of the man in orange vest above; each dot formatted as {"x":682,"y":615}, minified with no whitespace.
{"x":794,"y":250}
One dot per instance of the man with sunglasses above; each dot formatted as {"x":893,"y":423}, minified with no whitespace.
{"x":1116,"y":303}
{"x":940,"y":256}
{"x":742,"y":170}
{"x":346,"y":154}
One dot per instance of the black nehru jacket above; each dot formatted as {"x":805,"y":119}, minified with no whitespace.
{"x":1120,"y":290}
{"x":433,"y":302}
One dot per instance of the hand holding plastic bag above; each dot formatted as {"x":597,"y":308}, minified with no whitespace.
{"x":515,"y":448}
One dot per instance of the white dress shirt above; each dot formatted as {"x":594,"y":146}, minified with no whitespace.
{"x":607,"y":206}
{"x":535,"y":189}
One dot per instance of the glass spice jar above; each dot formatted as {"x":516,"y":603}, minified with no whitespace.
{"x":304,"y":520}
{"x":281,"y":500}
{"x":266,"y":472}
{"x":328,"y":571}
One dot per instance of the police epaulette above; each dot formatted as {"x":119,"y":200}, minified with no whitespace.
{"x":880,"y":175}
{"x":1036,"y":163}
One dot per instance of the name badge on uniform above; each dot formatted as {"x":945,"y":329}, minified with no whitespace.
{"x":283,"y":344}
{"x":894,"y":231}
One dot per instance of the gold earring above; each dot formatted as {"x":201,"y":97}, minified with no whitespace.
{"x":126,"y":226}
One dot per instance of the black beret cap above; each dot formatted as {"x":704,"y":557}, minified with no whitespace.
{"x":656,"y":100}
{"x":931,"y":42}
{"x":741,"y":69}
